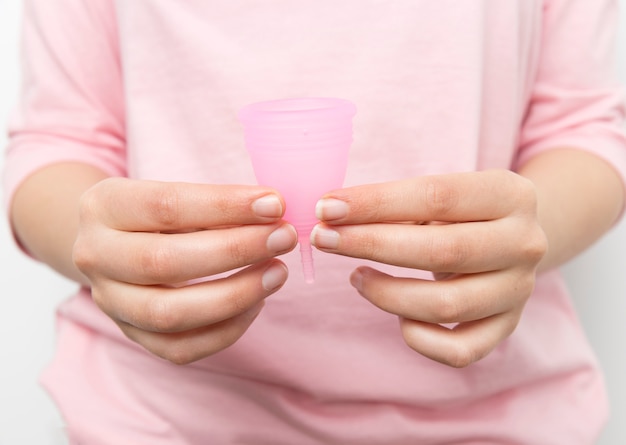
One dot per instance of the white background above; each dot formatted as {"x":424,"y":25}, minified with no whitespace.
{"x":29,"y":293}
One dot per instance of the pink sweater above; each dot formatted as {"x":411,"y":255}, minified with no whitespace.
{"x":150,"y":89}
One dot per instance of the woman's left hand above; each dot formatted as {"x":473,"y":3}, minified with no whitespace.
{"x":477,"y":232}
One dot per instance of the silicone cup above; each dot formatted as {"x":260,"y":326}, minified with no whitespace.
{"x":300,"y":147}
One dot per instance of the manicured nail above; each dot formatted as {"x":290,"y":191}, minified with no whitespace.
{"x":324,"y":238}
{"x":329,"y":209}
{"x":268,"y":206}
{"x":282,"y":239}
{"x":274,"y":276}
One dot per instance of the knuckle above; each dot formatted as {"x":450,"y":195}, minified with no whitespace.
{"x":377,"y":207}
{"x":447,"y":254}
{"x":164,"y":206}
{"x":370,"y":244}
{"x":161,"y":316}
{"x":527,"y":188}
{"x":227,"y":206}
{"x":155,"y":263}
{"x":524,"y":194}
{"x":238,"y":252}
{"x":82,"y":255}
{"x":234,"y":302}
{"x":87,"y":204}
{"x":93,"y":199}
{"x":440,"y":198}
{"x":240,"y":301}
{"x":449,"y":308}
{"x":536,"y":246}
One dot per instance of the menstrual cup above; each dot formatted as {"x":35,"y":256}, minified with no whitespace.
{"x":300,"y":147}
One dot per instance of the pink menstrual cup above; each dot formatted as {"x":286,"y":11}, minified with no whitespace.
{"x":300,"y":147}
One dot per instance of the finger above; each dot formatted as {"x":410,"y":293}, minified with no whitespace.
{"x":155,"y":258}
{"x":475,"y":196}
{"x":461,"y":299}
{"x":151,"y":206}
{"x":168,"y":310}
{"x":182,"y":348}
{"x":458,"y":248}
{"x":461,"y":345}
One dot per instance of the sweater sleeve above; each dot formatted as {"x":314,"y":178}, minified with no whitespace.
{"x":577,"y":101}
{"x":71,"y":104}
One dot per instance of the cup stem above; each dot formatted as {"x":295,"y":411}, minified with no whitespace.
{"x":306,"y":258}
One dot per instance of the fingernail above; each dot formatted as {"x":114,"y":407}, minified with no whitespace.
{"x":274,"y":276}
{"x":329,"y":209}
{"x":268,"y":206}
{"x":356,"y":279}
{"x":282,"y":239}
{"x":324,"y":238}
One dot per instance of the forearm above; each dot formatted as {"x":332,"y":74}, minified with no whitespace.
{"x":44,"y":213}
{"x":579,"y":198}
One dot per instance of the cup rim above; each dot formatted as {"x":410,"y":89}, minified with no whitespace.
{"x":297,"y":108}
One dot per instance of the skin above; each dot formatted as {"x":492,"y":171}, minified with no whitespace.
{"x":484,"y":235}
{"x":138,"y":257}
{"x":494,"y":232}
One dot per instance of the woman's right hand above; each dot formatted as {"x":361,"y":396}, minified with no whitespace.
{"x":143,"y":243}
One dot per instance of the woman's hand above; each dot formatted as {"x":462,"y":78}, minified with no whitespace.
{"x":141,"y":243}
{"x":477,"y":232}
